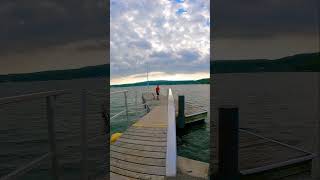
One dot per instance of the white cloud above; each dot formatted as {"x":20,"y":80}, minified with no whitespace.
{"x":152,"y":32}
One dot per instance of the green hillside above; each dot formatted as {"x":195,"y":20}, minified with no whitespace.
{"x":297,"y":63}
{"x":162,"y":82}
{"x":86,"y":72}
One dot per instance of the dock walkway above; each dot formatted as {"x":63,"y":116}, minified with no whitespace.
{"x":140,"y":153}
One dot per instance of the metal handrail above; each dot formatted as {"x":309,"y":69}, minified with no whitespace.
{"x":25,"y":168}
{"x":171,"y":155}
{"x":117,"y":92}
{"x":31,"y":96}
{"x":51,"y":107}
{"x":118,"y":114}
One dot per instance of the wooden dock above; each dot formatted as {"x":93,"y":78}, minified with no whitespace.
{"x":141,"y":151}
{"x":263,"y":158}
{"x":192,"y":112}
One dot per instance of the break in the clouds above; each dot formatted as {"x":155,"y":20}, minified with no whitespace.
{"x":164,"y":36}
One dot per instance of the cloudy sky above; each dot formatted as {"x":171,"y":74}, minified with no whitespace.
{"x":256,"y":29}
{"x":170,"y":38}
{"x":52,"y":34}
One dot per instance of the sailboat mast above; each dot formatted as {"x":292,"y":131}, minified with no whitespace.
{"x":148,"y":77}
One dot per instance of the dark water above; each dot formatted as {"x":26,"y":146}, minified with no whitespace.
{"x":24,"y":134}
{"x":194,"y":144}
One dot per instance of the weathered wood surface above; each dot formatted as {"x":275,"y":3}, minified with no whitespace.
{"x":140,"y":153}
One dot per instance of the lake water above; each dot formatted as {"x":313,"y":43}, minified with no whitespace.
{"x":24,"y":135}
{"x":24,"y":132}
{"x":195,"y":144}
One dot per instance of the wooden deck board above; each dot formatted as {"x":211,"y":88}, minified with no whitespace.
{"x":150,"y":154}
{"x":140,"y":147}
{"x":134,"y":159}
{"x":119,"y":174}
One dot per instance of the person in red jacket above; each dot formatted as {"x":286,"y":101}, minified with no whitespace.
{"x":158,"y":91}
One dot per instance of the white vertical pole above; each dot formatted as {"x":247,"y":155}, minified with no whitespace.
{"x":316,"y":160}
{"x":136,"y":102}
{"x":84,"y":143}
{"x":148,"y":76}
{"x":126,"y":104}
{"x":52,"y":136}
{"x":171,"y":155}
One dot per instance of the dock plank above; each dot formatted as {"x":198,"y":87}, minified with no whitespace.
{"x":140,"y":147}
{"x":134,"y":133}
{"x":139,"y":168}
{"x":133,"y":159}
{"x":150,"y":154}
{"x":143,"y":138}
{"x":141,"y":142}
{"x":117,"y":173}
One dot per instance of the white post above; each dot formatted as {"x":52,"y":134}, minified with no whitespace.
{"x":316,"y":160}
{"x":126,"y":104}
{"x":148,"y":76}
{"x":171,"y":155}
{"x":136,"y":101}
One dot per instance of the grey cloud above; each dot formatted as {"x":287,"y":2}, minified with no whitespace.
{"x":34,"y":24}
{"x":189,"y":55}
{"x":140,"y":44}
{"x":266,"y":18}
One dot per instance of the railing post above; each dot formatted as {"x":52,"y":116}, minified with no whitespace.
{"x":228,"y":143}
{"x":136,"y":101}
{"x":126,"y":104}
{"x":84,"y":142}
{"x":51,"y":106}
{"x":316,"y":160}
{"x":181,"y":118}
{"x":171,"y":155}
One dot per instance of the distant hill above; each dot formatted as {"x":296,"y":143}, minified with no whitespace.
{"x":85,"y":72}
{"x":162,"y":82}
{"x":297,"y":63}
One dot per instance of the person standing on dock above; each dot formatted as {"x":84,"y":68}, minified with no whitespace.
{"x":158,"y":91}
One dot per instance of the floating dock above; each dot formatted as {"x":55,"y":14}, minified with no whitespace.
{"x":192,"y":113}
{"x":264,"y":158}
{"x":141,"y":152}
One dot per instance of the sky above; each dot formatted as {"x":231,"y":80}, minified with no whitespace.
{"x":168,"y":38}
{"x":52,"y":34}
{"x":264,"y":29}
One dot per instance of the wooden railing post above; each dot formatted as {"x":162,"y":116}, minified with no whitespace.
{"x":51,"y":107}
{"x":84,"y":139}
{"x":228,"y":143}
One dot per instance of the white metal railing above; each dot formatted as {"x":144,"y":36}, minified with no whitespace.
{"x":171,"y":155}
{"x":51,"y":107}
{"x":125,"y":104}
